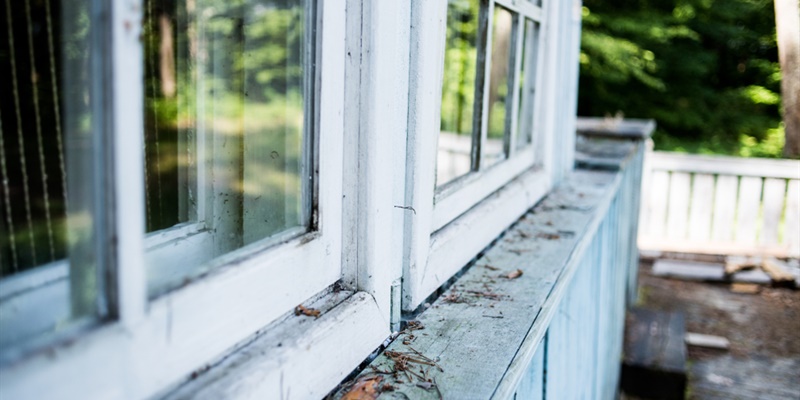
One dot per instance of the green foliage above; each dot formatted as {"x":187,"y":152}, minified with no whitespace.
{"x":460,"y":60}
{"x":705,"y":70}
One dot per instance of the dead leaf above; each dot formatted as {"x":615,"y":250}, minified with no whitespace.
{"x":309,"y":312}
{"x":489,"y":267}
{"x":513,"y":274}
{"x":387,"y":387}
{"x":548,"y":236}
{"x":365,"y":388}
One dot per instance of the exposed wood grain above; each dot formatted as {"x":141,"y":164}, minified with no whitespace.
{"x":724,"y":208}
{"x":700,"y":209}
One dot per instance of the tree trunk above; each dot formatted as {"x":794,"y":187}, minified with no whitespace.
{"x":787,"y":23}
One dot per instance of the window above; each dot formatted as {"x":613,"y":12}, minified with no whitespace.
{"x":488,"y":133}
{"x":204,"y":200}
{"x":229,"y":130}
{"x":53,"y":214}
{"x":197,"y":169}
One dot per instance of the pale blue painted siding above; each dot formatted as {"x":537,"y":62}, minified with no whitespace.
{"x":580,"y":356}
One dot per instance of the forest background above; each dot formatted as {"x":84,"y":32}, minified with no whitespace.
{"x":707,"y":71}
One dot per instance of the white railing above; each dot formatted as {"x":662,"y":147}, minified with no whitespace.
{"x":720,"y":205}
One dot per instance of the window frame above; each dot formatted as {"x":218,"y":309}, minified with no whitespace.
{"x":440,"y":239}
{"x":152,"y":345}
{"x":191,"y":249}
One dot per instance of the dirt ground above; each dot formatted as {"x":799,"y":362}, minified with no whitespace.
{"x":763,"y":361}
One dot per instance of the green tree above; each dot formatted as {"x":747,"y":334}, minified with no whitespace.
{"x":705,"y":70}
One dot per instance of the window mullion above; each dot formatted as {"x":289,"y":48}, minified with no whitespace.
{"x":126,"y":119}
{"x":512,"y":107}
{"x":481,"y":119}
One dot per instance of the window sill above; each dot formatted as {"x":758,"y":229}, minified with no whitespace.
{"x":484,"y":331}
{"x":297,"y":357}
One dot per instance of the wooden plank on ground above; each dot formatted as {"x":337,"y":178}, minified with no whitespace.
{"x":654,"y":365}
{"x":779,"y":272}
{"x":678,"y":214}
{"x":708,"y":341}
{"x":774,"y":194}
{"x":748,"y":209}
{"x":700,"y":209}
{"x":724,"y":208}
{"x":689,"y":270}
{"x":745,"y":288}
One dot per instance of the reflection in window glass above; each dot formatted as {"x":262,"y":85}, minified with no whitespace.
{"x":228,"y":114}
{"x":499,"y":95}
{"x":527,"y":84}
{"x":458,"y":91}
{"x":50,"y":209}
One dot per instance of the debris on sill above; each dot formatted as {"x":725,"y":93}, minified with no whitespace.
{"x":309,"y":312}
{"x":400,"y":369}
{"x":513,"y":274}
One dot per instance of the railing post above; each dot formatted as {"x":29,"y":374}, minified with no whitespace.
{"x":598,"y":146}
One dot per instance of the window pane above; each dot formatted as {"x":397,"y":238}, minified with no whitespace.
{"x":229,"y":121}
{"x":527,"y":84}
{"x":458,"y":91}
{"x":50,"y":218}
{"x":499,"y":95}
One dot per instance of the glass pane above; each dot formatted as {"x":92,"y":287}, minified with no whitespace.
{"x":458,"y":91}
{"x":230,"y":111}
{"x":527,"y":84}
{"x":169,"y":113}
{"x":49,"y":137}
{"x":499,"y":95}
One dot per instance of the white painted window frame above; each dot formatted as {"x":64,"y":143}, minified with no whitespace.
{"x":151,"y":346}
{"x":440,"y":238}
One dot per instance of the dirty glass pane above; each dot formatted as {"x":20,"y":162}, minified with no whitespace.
{"x":499,"y":95}
{"x":228,"y":111}
{"x":50,"y":137}
{"x":458,"y":91}
{"x":527,"y":84}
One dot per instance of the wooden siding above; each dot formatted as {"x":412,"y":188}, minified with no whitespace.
{"x":584,"y":340}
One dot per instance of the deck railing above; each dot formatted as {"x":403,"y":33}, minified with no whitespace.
{"x":720,"y":205}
